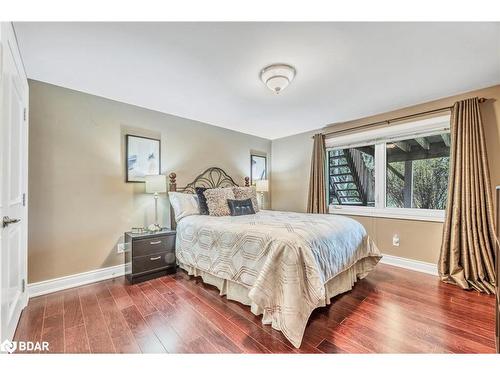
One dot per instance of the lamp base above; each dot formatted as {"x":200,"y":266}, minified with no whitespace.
{"x":154,"y":228}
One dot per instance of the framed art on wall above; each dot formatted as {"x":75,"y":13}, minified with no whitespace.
{"x":258,"y":168}
{"x":142,"y":157}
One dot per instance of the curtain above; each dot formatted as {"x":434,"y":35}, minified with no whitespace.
{"x":467,"y":251}
{"x":316,"y":202}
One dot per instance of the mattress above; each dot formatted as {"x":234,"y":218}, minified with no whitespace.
{"x":282,"y":264}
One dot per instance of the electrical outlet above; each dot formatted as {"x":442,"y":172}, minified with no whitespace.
{"x":120,"y":248}
{"x":395,"y":240}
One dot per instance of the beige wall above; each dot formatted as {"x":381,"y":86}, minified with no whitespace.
{"x":79,"y":204}
{"x":291,"y":163}
{"x":420,"y":240}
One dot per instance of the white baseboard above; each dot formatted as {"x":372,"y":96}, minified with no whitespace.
{"x":71,"y":281}
{"x":411,"y":264}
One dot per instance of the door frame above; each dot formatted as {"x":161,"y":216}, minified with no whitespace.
{"x":8,"y":39}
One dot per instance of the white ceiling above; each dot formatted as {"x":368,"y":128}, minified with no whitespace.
{"x":210,"y":71}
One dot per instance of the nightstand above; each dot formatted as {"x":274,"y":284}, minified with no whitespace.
{"x":149,"y":255}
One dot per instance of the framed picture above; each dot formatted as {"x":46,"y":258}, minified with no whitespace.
{"x":143,"y":157}
{"x":258,"y":168}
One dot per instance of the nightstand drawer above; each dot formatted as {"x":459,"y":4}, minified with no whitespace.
{"x":149,"y":255}
{"x":153,"y":262}
{"x":153,"y":245}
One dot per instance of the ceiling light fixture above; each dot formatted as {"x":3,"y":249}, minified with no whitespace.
{"x":277,"y":76}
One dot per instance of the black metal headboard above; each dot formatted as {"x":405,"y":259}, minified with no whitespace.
{"x":213,"y":177}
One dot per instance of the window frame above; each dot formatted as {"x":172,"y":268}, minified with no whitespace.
{"x":379,"y":138}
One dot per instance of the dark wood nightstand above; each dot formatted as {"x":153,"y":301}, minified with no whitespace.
{"x":149,"y":255}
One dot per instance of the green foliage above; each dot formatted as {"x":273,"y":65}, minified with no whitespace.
{"x":430,"y":184}
{"x":394,"y":185}
{"x":369,"y":161}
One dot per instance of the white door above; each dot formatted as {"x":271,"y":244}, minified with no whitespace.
{"x":13,"y":183}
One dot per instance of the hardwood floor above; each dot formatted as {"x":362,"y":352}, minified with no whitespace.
{"x":391,"y":311}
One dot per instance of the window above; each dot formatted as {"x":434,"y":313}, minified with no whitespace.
{"x":417,"y":172}
{"x":399,"y":171}
{"x":352,"y":176}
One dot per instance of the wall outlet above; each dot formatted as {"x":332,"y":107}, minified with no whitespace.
{"x":120,"y":248}
{"x":395,"y":240}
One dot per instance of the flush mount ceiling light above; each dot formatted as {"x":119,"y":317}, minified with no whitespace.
{"x":277,"y":76}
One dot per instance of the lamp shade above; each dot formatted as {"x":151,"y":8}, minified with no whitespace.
{"x":262,"y":186}
{"x":156,"y":183}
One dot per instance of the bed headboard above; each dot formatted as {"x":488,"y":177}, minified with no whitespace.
{"x":213,"y":177}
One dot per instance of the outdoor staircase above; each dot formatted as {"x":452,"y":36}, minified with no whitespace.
{"x":345,"y":183}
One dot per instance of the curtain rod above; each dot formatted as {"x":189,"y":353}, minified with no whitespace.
{"x":395,"y":119}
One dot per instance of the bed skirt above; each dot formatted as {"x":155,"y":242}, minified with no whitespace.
{"x":339,"y":284}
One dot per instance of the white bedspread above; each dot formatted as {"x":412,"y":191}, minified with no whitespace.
{"x":283,"y":258}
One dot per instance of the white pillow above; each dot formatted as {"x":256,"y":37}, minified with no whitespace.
{"x":183,"y":204}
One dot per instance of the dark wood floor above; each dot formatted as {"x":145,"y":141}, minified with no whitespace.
{"x":391,"y":311}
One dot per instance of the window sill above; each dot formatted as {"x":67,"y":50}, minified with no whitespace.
{"x":391,"y":213}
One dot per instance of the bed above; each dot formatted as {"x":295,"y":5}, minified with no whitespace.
{"x":281,"y":264}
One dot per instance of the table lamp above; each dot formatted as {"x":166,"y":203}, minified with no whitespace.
{"x":156,"y":184}
{"x":262,"y":186}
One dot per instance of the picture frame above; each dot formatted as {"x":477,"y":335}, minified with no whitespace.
{"x":258,"y":168}
{"x":142,"y":157}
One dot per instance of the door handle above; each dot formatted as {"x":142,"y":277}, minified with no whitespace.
{"x":6,"y":221}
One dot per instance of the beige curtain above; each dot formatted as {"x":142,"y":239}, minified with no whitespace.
{"x":316,"y":202}
{"x":467,"y":251}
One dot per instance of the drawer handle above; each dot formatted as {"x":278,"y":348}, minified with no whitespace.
{"x":155,"y":242}
{"x":155,"y":258}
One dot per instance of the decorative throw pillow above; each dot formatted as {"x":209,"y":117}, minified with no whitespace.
{"x":245,"y":193}
{"x":240,"y":207}
{"x":202,"y":200}
{"x":183,"y":204}
{"x":217,"y":201}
